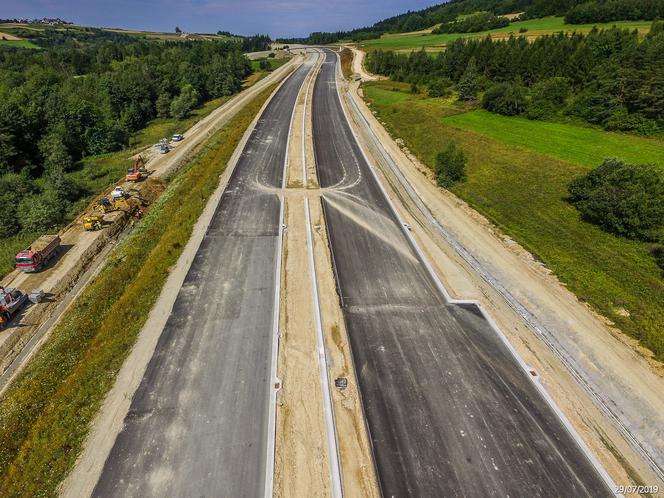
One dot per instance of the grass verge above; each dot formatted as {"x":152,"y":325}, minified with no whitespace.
{"x":534,"y":27}
{"x":346,"y":57}
{"x":46,"y":412}
{"x":521,"y":188}
{"x":19,"y":44}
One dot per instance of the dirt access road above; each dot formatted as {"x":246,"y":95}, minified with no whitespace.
{"x":80,"y":249}
{"x":608,"y":389}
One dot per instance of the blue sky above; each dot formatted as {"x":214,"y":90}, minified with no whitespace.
{"x":275,"y":17}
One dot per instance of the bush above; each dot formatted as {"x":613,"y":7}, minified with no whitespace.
{"x":450,"y":166}
{"x":509,"y":99}
{"x":182,"y":105}
{"x":547,"y":97}
{"x":440,"y":88}
{"x":624,"y":199}
{"x":657,"y":252}
{"x":622,"y":120}
{"x":42,"y":213}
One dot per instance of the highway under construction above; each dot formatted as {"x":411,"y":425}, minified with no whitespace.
{"x":314,"y":339}
{"x":448,"y":407}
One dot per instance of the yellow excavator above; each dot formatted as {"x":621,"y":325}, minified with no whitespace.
{"x":117,"y":202}
{"x":92,"y":222}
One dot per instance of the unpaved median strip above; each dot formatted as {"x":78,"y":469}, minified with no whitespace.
{"x":301,"y":460}
{"x":45,"y":415}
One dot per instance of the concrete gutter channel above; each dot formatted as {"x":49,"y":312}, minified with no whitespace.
{"x":15,"y":355}
{"x":398,"y":181}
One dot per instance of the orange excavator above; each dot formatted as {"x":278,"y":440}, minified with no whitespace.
{"x":138,"y":172}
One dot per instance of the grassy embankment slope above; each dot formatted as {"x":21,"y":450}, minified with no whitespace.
{"x":535,"y":27}
{"x":45,"y":414}
{"x":274,"y":63}
{"x":96,"y":173}
{"x":517,"y":176}
{"x":346,"y":57}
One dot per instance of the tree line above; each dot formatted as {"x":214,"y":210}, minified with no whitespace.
{"x":60,"y":104}
{"x":615,"y":10}
{"x":612,"y":78}
{"x":474,"y":23}
{"x":486,"y":14}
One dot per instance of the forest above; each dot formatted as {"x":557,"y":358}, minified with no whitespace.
{"x":611,"y":78}
{"x":61,"y":103}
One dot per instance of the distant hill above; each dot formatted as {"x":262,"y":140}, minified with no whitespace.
{"x":45,"y":33}
{"x":575,"y":12}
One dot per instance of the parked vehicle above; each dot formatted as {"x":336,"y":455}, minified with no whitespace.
{"x":118,"y":193}
{"x":38,"y":254}
{"x":165,"y":149}
{"x":177,"y":138}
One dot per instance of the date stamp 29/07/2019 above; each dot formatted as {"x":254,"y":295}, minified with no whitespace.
{"x":636,"y":489}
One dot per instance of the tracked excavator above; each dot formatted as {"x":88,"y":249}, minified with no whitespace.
{"x":138,"y":172}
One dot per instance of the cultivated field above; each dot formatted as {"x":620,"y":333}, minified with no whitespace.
{"x":535,"y":27}
{"x":568,"y":142}
{"x":9,"y":39}
{"x":517,"y":176}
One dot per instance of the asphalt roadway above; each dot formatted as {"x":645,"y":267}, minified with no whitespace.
{"x":449,"y":410}
{"x":198,"y":423}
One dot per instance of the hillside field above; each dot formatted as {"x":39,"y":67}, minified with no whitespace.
{"x":517,"y":176}
{"x":535,"y":27}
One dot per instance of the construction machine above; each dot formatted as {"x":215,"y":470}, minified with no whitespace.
{"x":138,"y":172}
{"x":92,"y":222}
{"x":132,"y":205}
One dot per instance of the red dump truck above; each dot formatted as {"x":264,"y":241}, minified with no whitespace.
{"x":38,"y":254}
{"x":11,"y":302}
